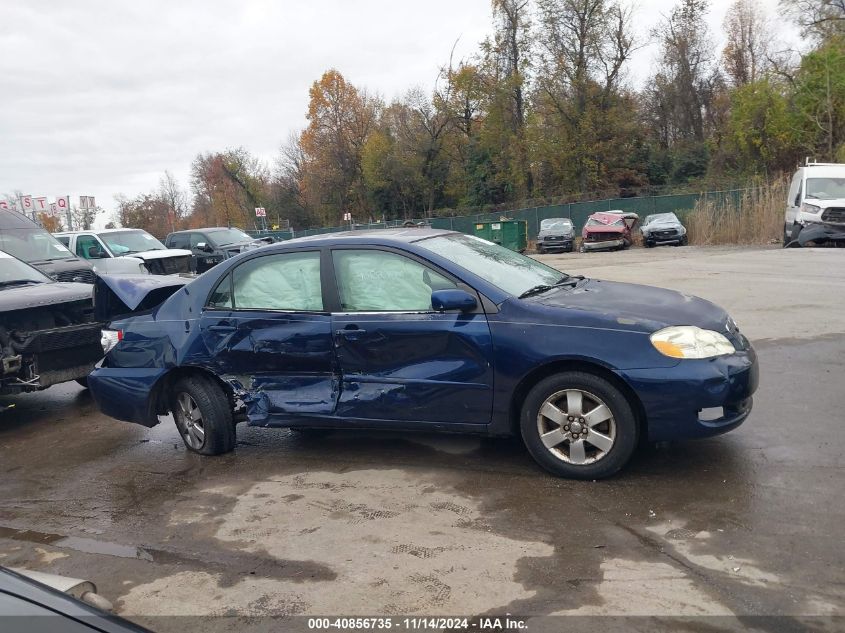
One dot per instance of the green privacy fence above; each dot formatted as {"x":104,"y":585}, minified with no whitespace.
{"x":680,"y":204}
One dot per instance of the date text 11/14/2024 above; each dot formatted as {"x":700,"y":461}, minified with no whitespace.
{"x":507,"y":623}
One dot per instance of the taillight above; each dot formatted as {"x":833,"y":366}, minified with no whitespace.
{"x":110,"y":338}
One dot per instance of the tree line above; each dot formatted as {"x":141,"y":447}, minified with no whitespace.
{"x":542,"y":112}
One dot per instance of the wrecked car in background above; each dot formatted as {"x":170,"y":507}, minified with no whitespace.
{"x":608,"y":230}
{"x":210,"y":246}
{"x":423,"y":329}
{"x":126,"y":251}
{"x":30,"y":243}
{"x":556,"y":234}
{"x":815,"y":208}
{"x":48,"y":333}
{"x":659,"y":229}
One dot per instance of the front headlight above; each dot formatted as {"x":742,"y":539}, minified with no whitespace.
{"x":810,"y":208}
{"x":688,"y":341}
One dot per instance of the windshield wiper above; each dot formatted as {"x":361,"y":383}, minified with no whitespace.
{"x":566,"y":280}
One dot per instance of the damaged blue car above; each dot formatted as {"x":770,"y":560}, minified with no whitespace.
{"x":421,"y":329}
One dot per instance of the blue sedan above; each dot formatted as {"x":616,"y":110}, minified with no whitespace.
{"x":421,"y":329}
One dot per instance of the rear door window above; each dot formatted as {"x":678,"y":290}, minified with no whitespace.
{"x":286,"y":281}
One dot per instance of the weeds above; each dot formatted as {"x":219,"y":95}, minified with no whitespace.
{"x":755,"y":218}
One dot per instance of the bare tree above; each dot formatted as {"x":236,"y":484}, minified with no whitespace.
{"x":747,"y":51}
{"x":685,"y":81}
{"x":818,"y":18}
{"x":175,"y":198}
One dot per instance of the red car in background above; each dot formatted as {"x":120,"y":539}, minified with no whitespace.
{"x":608,"y":230}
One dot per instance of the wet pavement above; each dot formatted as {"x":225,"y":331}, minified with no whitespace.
{"x":292,"y":523}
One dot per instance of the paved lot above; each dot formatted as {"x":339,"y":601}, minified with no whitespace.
{"x":750,"y":523}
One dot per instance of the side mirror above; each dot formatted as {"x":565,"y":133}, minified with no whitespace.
{"x":95,"y":252}
{"x":202,"y":246}
{"x":454,"y":299}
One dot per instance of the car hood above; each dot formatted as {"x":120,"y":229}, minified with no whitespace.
{"x":160,"y":254}
{"x":120,"y":295}
{"x":44,"y":294}
{"x":659,"y":226}
{"x":567,"y":233}
{"x":637,"y":307}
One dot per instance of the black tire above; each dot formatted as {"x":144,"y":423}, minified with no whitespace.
{"x":83,"y":382}
{"x":218,"y":427}
{"x":649,"y":244}
{"x":624,"y":432}
{"x":684,"y":240}
{"x":541,"y":250}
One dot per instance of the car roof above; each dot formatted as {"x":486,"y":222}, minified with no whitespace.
{"x":384,"y":237}
{"x":97,"y":231}
{"x":207,"y":228}
{"x":824,"y":171}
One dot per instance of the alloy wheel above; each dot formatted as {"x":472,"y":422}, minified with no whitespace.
{"x":189,"y":421}
{"x":576,"y":426}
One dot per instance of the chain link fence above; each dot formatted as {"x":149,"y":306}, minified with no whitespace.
{"x":680,"y":204}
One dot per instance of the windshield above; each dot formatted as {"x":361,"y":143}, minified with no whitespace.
{"x":32,"y":245}
{"x":14,"y":272}
{"x":661,"y":217}
{"x":556,"y":224}
{"x":125,"y":242}
{"x":224,"y":237}
{"x":505,"y":269}
{"x":825,"y":188}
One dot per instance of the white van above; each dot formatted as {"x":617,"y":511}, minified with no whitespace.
{"x":815,"y":208}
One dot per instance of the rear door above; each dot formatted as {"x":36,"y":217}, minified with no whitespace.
{"x":400,"y":361}
{"x":265,"y":327}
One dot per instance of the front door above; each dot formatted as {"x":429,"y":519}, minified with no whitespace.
{"x":265,"y":329}
{"x":399,"y":360}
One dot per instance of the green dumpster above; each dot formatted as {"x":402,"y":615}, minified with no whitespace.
{"x":512,"y":234}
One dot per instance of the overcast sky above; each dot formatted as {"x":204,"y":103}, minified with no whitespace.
{"x":99,"y":97}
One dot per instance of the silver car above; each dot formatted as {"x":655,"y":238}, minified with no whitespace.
{"x":663,"y":228}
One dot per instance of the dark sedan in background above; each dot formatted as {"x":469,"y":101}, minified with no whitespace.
{"x":422,"y":329}
{"x":211,"y":246}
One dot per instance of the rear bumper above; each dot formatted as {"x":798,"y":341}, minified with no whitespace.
{"x":126,"y":394}
{"x":696,"y":398}
{"x":597,"y":246}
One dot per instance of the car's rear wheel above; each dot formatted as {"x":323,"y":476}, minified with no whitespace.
{"x":578,"y":425}
{"x":203,"y":415}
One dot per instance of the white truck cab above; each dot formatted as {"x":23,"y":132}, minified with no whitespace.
{"x":126,"y":251}
{"x":816,"y":202}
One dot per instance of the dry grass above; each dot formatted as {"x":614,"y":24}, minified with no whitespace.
{"x":756,"y":218}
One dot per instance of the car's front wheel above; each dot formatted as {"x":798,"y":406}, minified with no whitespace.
{"x":203,"y":415}
{"x":578,"y":425}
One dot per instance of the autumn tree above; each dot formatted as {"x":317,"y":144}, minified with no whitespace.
{"x":585,"y":45}
{"x":509,"y":57}
{"x":340,"y":118}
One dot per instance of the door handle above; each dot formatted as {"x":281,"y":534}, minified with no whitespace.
{"x":350,"y":333}
{"x":222,"y":328}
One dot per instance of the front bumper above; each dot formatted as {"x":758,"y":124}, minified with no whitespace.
{"x":598,"y":246}
{"x":696,"y":398}
{"x":126,"y":394}
{"x":564,"y":244}
{"x":818,"y":232}
{"x":659,"y":240}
